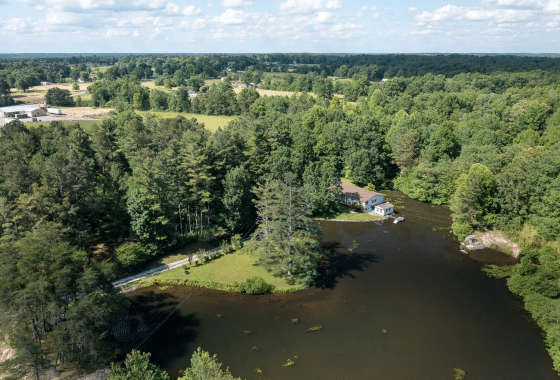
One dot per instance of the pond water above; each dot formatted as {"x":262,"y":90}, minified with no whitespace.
{"x":439,"y":310}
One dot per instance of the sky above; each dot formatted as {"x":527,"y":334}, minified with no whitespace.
{"x":276,"y":26}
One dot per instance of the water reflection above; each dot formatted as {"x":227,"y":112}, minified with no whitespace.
{"x":439,"y":310}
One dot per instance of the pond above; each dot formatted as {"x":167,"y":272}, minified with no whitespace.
{"x":406,"y":304}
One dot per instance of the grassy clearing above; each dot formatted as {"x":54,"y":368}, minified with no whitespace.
{"x":347,"y":181}
{"x":152,"y":84}
{"x":222,"y":273}
{"x":102,"y":69}
{"x":212,"y":123}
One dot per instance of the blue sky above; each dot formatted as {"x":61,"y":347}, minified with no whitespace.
{"x":266,"y":26}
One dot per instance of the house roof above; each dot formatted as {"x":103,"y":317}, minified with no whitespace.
{"x":19,"y":108}
{"x":384,"y":206}
{"x":356,"y":192}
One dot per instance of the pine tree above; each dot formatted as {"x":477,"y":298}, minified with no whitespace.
{"x":288,"y":240}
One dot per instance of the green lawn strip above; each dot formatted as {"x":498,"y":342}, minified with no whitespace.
{"x":343,"y":213}
{"x":221,"y":273}
{"x":355,"y":216}
{"x":212,"y":123}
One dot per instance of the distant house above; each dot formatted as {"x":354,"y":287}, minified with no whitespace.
{"x":369,"y":200}
{"x":22,"y":111}
{"x":384,"y":80}
{"x":192,"y":94}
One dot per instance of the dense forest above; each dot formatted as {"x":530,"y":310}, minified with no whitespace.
{"x":480,"y":134}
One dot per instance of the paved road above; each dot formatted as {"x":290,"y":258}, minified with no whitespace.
{"x":48,"y":119}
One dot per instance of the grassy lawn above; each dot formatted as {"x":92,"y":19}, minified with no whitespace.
{"x":221,"y":273}
{"x":212,"y":123}
{"x":344,"y":213}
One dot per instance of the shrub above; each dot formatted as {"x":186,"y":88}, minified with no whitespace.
{"x":226,"y":249}
{"x":459,"y":374}
{"x":132,"y":254}
{"x":255,"y":285}
{"x":236,"y":243}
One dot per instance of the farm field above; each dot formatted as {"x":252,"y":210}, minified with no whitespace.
{"x":212,"y":123}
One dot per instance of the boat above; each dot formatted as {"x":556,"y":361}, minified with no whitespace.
{"x":399,"y":219}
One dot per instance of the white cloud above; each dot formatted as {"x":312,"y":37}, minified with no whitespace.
{"x":190,"y":11}
{"x":15,"y":24}
{"x":454,"y":13}
{"x":236,"y":4}
{"x":308,"y":6}
{"x":231,"y":16}
{"x":552,"y":24}
{"x":514,"y":3}
{"x":90,"y":5}
{"x":552,"y":6}
{"x":423,"y":31}
{"x":413,"y":10}
{"x":116,"y":33}
{"x":172,"y":8}
{"x":323,"y":17}
{"x":344,"y":27}
{"x":136,"y":34}
{"x":195,"y":25}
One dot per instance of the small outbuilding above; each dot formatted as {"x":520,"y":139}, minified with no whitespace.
{"x":385,"y":208}
{"x":22,"y":111}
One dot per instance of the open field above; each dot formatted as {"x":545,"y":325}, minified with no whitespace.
{"x":36,"y":94}
{"x":152,"y":84}
{"x":83,"y":112}
{"x":221,"y":273}
{"x":212,"y":123}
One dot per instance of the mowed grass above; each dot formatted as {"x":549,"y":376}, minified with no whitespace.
{"x":212,"y":123}
{"x":344,"y":213}
{"x":222,"y":273}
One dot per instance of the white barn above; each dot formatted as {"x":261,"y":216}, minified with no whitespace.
{"x":22,"y":111}
{"x":369,"y":200}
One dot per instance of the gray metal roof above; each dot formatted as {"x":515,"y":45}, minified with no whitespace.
{"x":384,"y":206}
{"x":26,"y":107}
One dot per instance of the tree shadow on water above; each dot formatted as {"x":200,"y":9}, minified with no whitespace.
{"x":339,"y":264}
{"x":155,"y":325}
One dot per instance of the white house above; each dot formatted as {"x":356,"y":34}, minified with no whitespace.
{"x":369,"y":200}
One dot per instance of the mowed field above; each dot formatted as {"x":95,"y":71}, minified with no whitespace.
{"x":212,"y":123}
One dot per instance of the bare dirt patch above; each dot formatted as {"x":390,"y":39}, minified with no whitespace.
{"x":84,"y":112}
